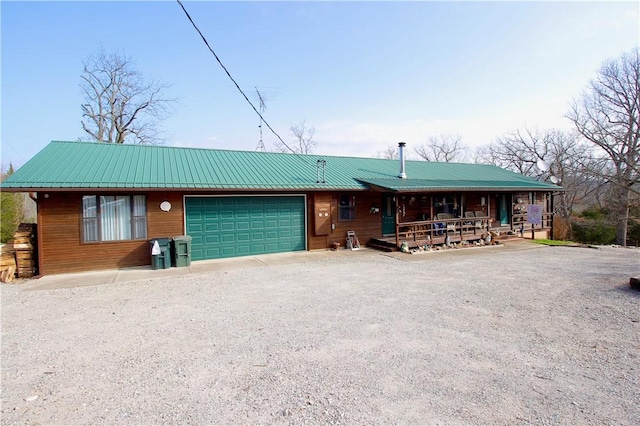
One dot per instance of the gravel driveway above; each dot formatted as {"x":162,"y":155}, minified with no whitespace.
{"x":542,"y":335}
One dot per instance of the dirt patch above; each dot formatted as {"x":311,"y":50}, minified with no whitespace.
{"x":546,"y":335}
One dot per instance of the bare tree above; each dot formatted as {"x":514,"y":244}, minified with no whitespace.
{"x":303,"y":142}
{"x":560,"y":154}
{"x":443,"y":148}
{"x":522,"y":150}
{"x":119,"y":105}
{"x":390,"y":153}
{"x":479,"y":154}
{"x":608,"y":116}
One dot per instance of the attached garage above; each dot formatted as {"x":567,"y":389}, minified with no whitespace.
{"x":230,"y":226}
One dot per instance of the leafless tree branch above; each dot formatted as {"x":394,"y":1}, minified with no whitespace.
{"x":119,"y":105}
{"x":390,"y":153}
{"x":443,"y":148}
{"x":303,"y":139}
{"x":607,"y":115}
{"x":567,"y":158}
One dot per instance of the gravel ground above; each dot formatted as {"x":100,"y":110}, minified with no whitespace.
{"x":549,"y":335}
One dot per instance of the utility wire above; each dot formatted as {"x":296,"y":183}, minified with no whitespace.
{"x":232,"y":79}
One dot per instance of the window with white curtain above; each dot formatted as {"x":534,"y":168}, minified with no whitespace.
{"x":114,"y":217}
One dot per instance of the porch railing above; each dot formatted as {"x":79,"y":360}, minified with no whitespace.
{"x":437,"y":230}
{"x":519,"y":223}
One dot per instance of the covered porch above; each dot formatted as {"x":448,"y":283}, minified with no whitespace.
{"x":432,"y":218}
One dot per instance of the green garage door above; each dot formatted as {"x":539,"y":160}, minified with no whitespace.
{"x":241,"y":226}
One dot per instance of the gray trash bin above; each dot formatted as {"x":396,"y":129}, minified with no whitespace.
{"x":162,"y":260}
{"x":181,"y":251}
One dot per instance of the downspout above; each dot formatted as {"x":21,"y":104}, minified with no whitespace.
{"x":39,"y":238}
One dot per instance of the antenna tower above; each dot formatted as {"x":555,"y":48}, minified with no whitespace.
{"x":263,"y":108}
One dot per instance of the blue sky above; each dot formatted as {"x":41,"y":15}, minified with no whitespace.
{"x":366,"y":75}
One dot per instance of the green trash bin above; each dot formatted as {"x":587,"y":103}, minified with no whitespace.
{"x":181,"y":251}
{"x":163,"y":259}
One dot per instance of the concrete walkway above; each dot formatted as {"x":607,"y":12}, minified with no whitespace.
{"x":52,"y":282}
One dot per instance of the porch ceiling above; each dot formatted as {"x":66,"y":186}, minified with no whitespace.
{"x":430,"y":185}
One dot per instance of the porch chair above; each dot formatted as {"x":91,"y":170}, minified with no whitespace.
{"x":451,"y":226}
{"x":480,"y":223}
{"x":469,"y":224}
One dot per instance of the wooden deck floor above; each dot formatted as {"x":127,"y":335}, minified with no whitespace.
{"x":437,"y":239}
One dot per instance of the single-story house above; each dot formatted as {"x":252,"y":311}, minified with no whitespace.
{"x":99,"y":204}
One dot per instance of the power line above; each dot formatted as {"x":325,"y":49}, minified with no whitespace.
{"x":16,"y":153}
{"x":232,"y":79}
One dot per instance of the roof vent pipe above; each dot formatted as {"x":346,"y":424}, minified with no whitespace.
{"x":401,"y":146}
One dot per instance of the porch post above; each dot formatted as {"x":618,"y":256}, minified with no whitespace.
{"x":395,"y":206}
{"x":431,"y":207}
{"x":552,"y":216}
{"x":431,"y":217}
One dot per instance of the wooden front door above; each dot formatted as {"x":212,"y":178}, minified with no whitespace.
{"x":388,"y":215}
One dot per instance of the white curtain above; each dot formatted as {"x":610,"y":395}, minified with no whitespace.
{"x":139,"y":216}
{"x":115,"y":216}
{"x":89,"y":218}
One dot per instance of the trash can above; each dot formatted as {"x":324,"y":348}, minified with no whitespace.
{"x":161,"y":258}
{"x":181,"y":251}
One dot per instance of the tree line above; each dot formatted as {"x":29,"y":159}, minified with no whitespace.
{"x":15,"y":208}
{"x":597,"y":163}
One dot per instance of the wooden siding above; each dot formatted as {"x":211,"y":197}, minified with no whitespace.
{"x":60,"y":223}
{"x":161,"y":223}
{"x":59,"y":235}
{"x":366,"y":225}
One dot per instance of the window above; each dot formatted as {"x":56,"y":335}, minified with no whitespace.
{"x":114,"y":217}
{"x":447,"y":203}
{"x":347,"y":207}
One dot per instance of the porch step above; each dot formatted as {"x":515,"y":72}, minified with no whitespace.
{"x":502,"y":238}
{"x":389,"y":246}
{"x":382,"y":245}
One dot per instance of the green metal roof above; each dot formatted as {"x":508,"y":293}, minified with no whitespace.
{"x":79,"y":165}
{"x":420,"y":185}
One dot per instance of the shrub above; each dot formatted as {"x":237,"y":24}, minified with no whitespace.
{"x":593,"y":231}
{"x":594,"y":213}
{"x":633,"y":233}
{"x":10,"y":211}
